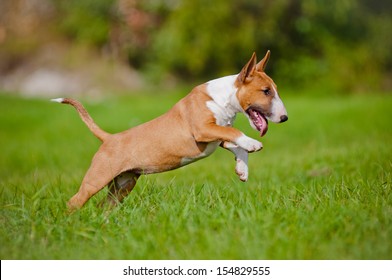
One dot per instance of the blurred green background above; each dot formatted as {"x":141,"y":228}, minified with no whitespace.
{"x":101,"y":46}
{"x":320,"y":189}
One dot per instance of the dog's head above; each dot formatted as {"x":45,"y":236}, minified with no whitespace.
{"x":258,"y":95}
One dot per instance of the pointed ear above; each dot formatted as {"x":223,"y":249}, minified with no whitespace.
{"x":263,"y":63}
{"x":246,"y":73}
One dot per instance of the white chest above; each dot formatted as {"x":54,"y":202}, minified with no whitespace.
{"x":223,"y":116}
{"x":224,"y":104}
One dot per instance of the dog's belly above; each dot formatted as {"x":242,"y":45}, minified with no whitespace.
{"x":156,"y":163}
{"x":150,"y":148}
{"x":145,"y":152}
{"x":209,"y":149}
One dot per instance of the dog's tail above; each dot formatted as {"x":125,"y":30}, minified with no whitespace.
{"x":95,"y":129}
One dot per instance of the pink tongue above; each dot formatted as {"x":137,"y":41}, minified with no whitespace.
{"x":259,"y":121}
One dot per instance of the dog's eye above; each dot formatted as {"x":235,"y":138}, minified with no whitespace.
{"x":266,"y":91}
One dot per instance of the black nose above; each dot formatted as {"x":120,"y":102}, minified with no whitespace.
{"x":283,"y":118}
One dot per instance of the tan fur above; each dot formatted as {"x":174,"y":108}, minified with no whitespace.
{"x":184,"y":132}
{"x":246,"y":93}
{"x":86,"y":118}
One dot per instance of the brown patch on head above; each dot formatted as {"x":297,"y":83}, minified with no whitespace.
{"x":255,"y":88}
{"x":258,"y":96}
{"x":258,"y":93}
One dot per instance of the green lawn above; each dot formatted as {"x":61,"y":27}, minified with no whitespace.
{"x":320,"y":189}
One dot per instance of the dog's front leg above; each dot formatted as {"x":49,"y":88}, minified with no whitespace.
{"x":241,"y":157}
{"x":213,"y":132}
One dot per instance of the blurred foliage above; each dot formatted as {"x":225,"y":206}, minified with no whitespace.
{"x":87,"y":21}
{"x":333,"y":44}
{"x":337,"y":44}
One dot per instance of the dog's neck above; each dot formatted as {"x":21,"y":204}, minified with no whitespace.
{"x":225,"y":104}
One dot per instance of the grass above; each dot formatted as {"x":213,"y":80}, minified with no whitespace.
{"x":320,"y":189}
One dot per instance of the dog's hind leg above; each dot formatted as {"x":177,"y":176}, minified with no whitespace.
{"x":121,"y":186}
{"x":100,"y":173}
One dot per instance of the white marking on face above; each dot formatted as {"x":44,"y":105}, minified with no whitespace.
{"x":277,"y":107}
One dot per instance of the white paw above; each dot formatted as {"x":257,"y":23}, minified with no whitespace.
{"x":241,"y":169}
{"x":249,"y":144}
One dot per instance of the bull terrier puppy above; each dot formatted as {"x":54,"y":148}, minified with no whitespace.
{"x":191,"y":130}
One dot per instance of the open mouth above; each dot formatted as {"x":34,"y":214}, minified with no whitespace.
{"x":259,"y":120}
